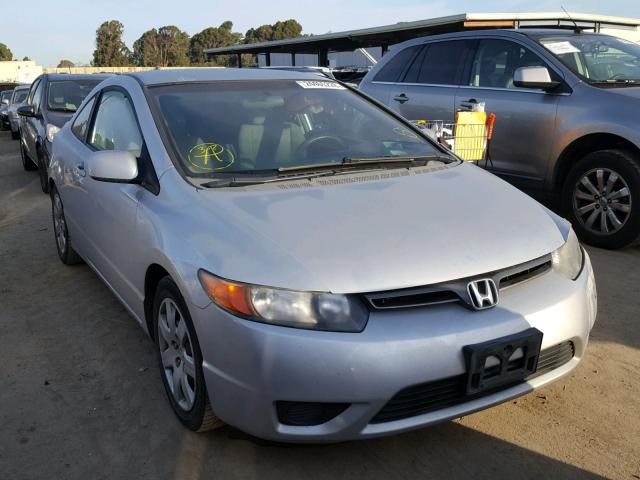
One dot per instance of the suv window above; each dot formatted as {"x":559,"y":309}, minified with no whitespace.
{"x":115,"y":126}
{"x":393,"y":69}
{"x":80,"y":124}
{"x":440,"y":63}
{"x":496,"y":61}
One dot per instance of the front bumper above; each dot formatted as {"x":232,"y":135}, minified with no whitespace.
{"x":249,"y":366}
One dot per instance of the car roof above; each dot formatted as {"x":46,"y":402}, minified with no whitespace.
{"x":505,"y":32}
{"x":209,"y":74}
{"x":77,"y":76}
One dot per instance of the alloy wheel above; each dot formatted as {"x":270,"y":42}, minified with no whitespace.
{"x":602,"y":201}
{"x":176,"y":352}
{"x":59,"y":224}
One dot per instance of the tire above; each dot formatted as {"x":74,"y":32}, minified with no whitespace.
{"x":601,"y":198}
{"x":67,"y":254}
{"x":43,"y":172}
{"x":27,"y":163}
{"x":190,"y":402}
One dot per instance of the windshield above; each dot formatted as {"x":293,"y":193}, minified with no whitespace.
{"x":597,"y":58}
{"x":20,"y":96}
{"x":250,"y":126}
{"x":67,"y":95}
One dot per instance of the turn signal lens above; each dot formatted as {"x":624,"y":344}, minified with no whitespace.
{"x":229,"y":295}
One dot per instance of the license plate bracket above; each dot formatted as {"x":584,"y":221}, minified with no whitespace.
{"x":503,"y":361}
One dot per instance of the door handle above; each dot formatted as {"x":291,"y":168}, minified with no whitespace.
{"x":79,"y":171}
{"x":401,"y":98}
{"x":467,"y":105}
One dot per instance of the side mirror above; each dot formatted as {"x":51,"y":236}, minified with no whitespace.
{"x":26,"y":111}
{"x":116,"y":166}
{"x":5,"y":101}
{"x":534,"y":77}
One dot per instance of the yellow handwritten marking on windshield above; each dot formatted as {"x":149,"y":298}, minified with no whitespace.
{"x":210,"y":156}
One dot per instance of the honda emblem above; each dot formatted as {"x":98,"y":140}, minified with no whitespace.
{"x":483,"y":293}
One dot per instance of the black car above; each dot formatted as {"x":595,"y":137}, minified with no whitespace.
{"x":5,"y":97}
{"x":52,"y":101}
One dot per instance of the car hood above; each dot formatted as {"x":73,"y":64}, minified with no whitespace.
{"x":383,"y":234}
{"x":633,"y":92}
{"x":58,"y":118}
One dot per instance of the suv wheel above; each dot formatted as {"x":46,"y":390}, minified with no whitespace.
{"x":180,"y":359}
{"x":601,"y":196}
{"x":63,"y":243}
{"x":27,"y":164}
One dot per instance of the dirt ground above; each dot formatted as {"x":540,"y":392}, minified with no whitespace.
{"x":81,"y":396}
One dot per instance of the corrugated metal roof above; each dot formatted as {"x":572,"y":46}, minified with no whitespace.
{"x":387,"y":34}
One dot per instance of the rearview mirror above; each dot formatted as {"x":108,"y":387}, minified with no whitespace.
{"x":534,"y":77}
{"x":115,"y":166}
{"x":26,"y":111}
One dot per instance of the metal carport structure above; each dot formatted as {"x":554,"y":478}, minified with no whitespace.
{"x":386,"y":35}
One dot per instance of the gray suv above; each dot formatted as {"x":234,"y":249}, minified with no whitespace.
{"x":566,"y":104}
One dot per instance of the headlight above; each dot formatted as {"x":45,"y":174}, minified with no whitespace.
{"x":51,"y":131}
{"x":289,"y":308}
{"x":567,"y":260}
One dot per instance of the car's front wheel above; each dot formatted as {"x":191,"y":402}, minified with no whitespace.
{"x":180,"y":359}
{"x":63,"y":242}
{"x":601,"y":196}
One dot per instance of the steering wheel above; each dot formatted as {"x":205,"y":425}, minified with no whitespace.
{"x":617,"y":76}
{"x":316,"y":140}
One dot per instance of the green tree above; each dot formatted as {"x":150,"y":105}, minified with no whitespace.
{"x":167,"y":46}
{"x":66,"y":64}
{"x":110,"y":49}
{"x":26,"y":59}
{"x":278,"y":31}
{"x":5,"y":53}
{"x":213,"y":37}
{"x":146,"y":52}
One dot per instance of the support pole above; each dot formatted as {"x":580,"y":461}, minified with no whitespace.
{"x":267,"y":59}
{"x":239,"y":60}
{"x":323,"y":57}
{"x":293,"y":59}
{"x":385,"y":49}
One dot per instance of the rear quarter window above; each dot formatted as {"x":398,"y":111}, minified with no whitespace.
{"x":393,"y":69}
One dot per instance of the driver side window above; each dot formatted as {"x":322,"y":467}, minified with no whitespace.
{"x":496,"y":61}
{"x":115,"y":126}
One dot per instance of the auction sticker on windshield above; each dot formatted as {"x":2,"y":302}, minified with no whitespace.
{"x":320,"y":84}
{"x":560,"y":48}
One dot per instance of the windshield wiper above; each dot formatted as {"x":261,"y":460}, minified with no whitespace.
{"x":347,"y":162}
{"x":70,"y":110}
{"x":617,"y":81}
{"x":246,"y":180}
{"x":347,"y":165}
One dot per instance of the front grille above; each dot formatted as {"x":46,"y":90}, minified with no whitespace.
{"x":524,"y":275}
{"x":454,"y":291}
{"x":447,"y":392}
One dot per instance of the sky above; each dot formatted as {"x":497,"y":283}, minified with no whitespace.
{"x":48,"y":31}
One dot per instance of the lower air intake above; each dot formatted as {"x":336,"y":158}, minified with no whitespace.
{"x":432,"y":396}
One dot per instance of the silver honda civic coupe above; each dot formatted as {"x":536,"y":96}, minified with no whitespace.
{"x":310,"y":266}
